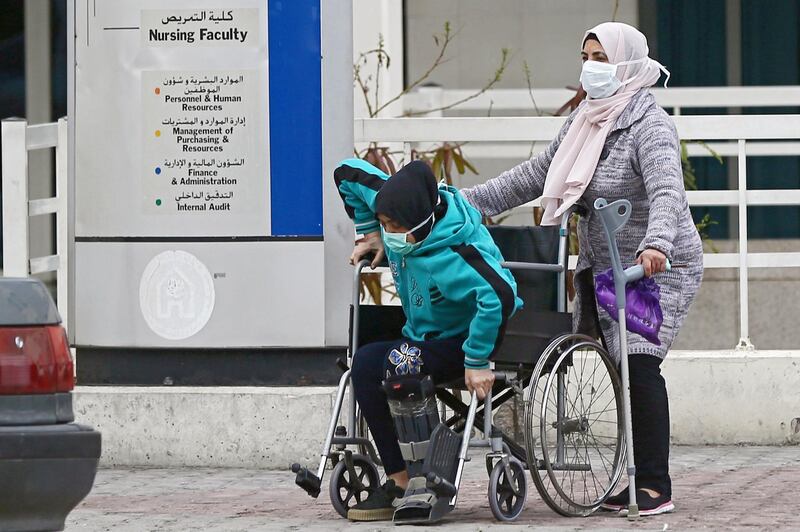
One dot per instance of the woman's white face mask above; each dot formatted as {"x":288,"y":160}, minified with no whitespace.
{"x":599,"y":80}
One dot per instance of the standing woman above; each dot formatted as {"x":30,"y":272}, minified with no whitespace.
{"x":619,"y":144}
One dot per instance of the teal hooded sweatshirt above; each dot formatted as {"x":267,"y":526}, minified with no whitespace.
{"x":452,"y":285}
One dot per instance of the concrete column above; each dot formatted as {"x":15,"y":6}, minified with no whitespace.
{"x":733,"y":59}
{"x":337,"y":144}
{"x":38,"y":109}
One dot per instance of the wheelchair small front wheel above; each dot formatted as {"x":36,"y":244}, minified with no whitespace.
{"x":506,"y":504}
{"x":347,"y":490}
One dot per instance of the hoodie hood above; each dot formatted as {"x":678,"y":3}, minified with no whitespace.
{"x":410,"y":197}
{"x":458,"y":225}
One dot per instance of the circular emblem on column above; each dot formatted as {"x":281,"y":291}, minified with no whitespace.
{"x":176,"y":295}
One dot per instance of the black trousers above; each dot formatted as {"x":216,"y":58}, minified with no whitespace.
{"x":649,"y":403}
{"x":443,"y":360}
{"x":650,"y":423}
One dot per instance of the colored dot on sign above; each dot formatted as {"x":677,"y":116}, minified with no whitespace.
{"x":158,"y":91}
{"x":158,"y":170}
{"x":158,"y":132}
{"x":158,"y":202}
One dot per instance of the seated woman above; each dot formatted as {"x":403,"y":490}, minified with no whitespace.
{"x":455,"y":295}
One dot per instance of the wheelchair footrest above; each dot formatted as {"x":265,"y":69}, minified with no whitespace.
{"x":427,"y":498}
{"x":307,"y":480}
{"x":416,"y":511}
{"x":442,"y":455}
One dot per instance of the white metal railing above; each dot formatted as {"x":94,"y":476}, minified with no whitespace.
{"x":518,"y":101}
{"x":747,"y":132}
{"x":549,"y":100}
{"x":18,"y":139}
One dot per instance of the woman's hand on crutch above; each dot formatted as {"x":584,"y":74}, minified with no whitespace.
{"x":368,"y":244}
{"x":653,"y":261}
{"x":479,"y":380}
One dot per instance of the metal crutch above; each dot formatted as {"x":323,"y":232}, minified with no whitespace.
{"x":614,"y":216}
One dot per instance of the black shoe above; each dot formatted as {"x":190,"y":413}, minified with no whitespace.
{"x":378,"y":505}
{"x":649,"y":505}
{"x":617,"y":502}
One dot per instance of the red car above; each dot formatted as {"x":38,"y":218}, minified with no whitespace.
{"x":47,"y":462}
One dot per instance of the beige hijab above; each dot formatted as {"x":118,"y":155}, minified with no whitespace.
{"x":577,"y":156}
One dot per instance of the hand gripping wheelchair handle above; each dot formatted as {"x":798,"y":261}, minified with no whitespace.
{"x":306,"y":480}
{"x":443,"y":488}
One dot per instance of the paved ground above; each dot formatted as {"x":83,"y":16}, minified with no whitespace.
{"x":715,"y":488}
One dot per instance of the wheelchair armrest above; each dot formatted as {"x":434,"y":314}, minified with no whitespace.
{"x":533,"y":266}
{"x":500,"y":377}
{"x":455,"y":384}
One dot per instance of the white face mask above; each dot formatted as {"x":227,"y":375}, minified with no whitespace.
{"x":599,"y":79}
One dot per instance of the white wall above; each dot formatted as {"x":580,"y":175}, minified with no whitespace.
{"x":372,"y":18}
{"x":545,"y":33}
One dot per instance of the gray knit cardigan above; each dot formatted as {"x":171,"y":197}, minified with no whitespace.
{"x":640,"y":162}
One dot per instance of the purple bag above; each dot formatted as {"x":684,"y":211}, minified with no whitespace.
{"x":642,"y":308}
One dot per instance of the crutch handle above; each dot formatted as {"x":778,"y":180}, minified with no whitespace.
{"x":636,"y":272}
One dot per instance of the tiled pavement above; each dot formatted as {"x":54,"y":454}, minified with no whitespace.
{"x":715,"y":488}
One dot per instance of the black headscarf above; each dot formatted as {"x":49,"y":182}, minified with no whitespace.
{"x":409,"y":197}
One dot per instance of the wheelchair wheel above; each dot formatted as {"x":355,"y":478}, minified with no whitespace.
{"x":573,"y":425}
{"x":344,"y":491}
{"x":505,"y":504}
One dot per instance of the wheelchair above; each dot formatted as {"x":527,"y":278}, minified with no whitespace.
{"x":565,"y":386}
